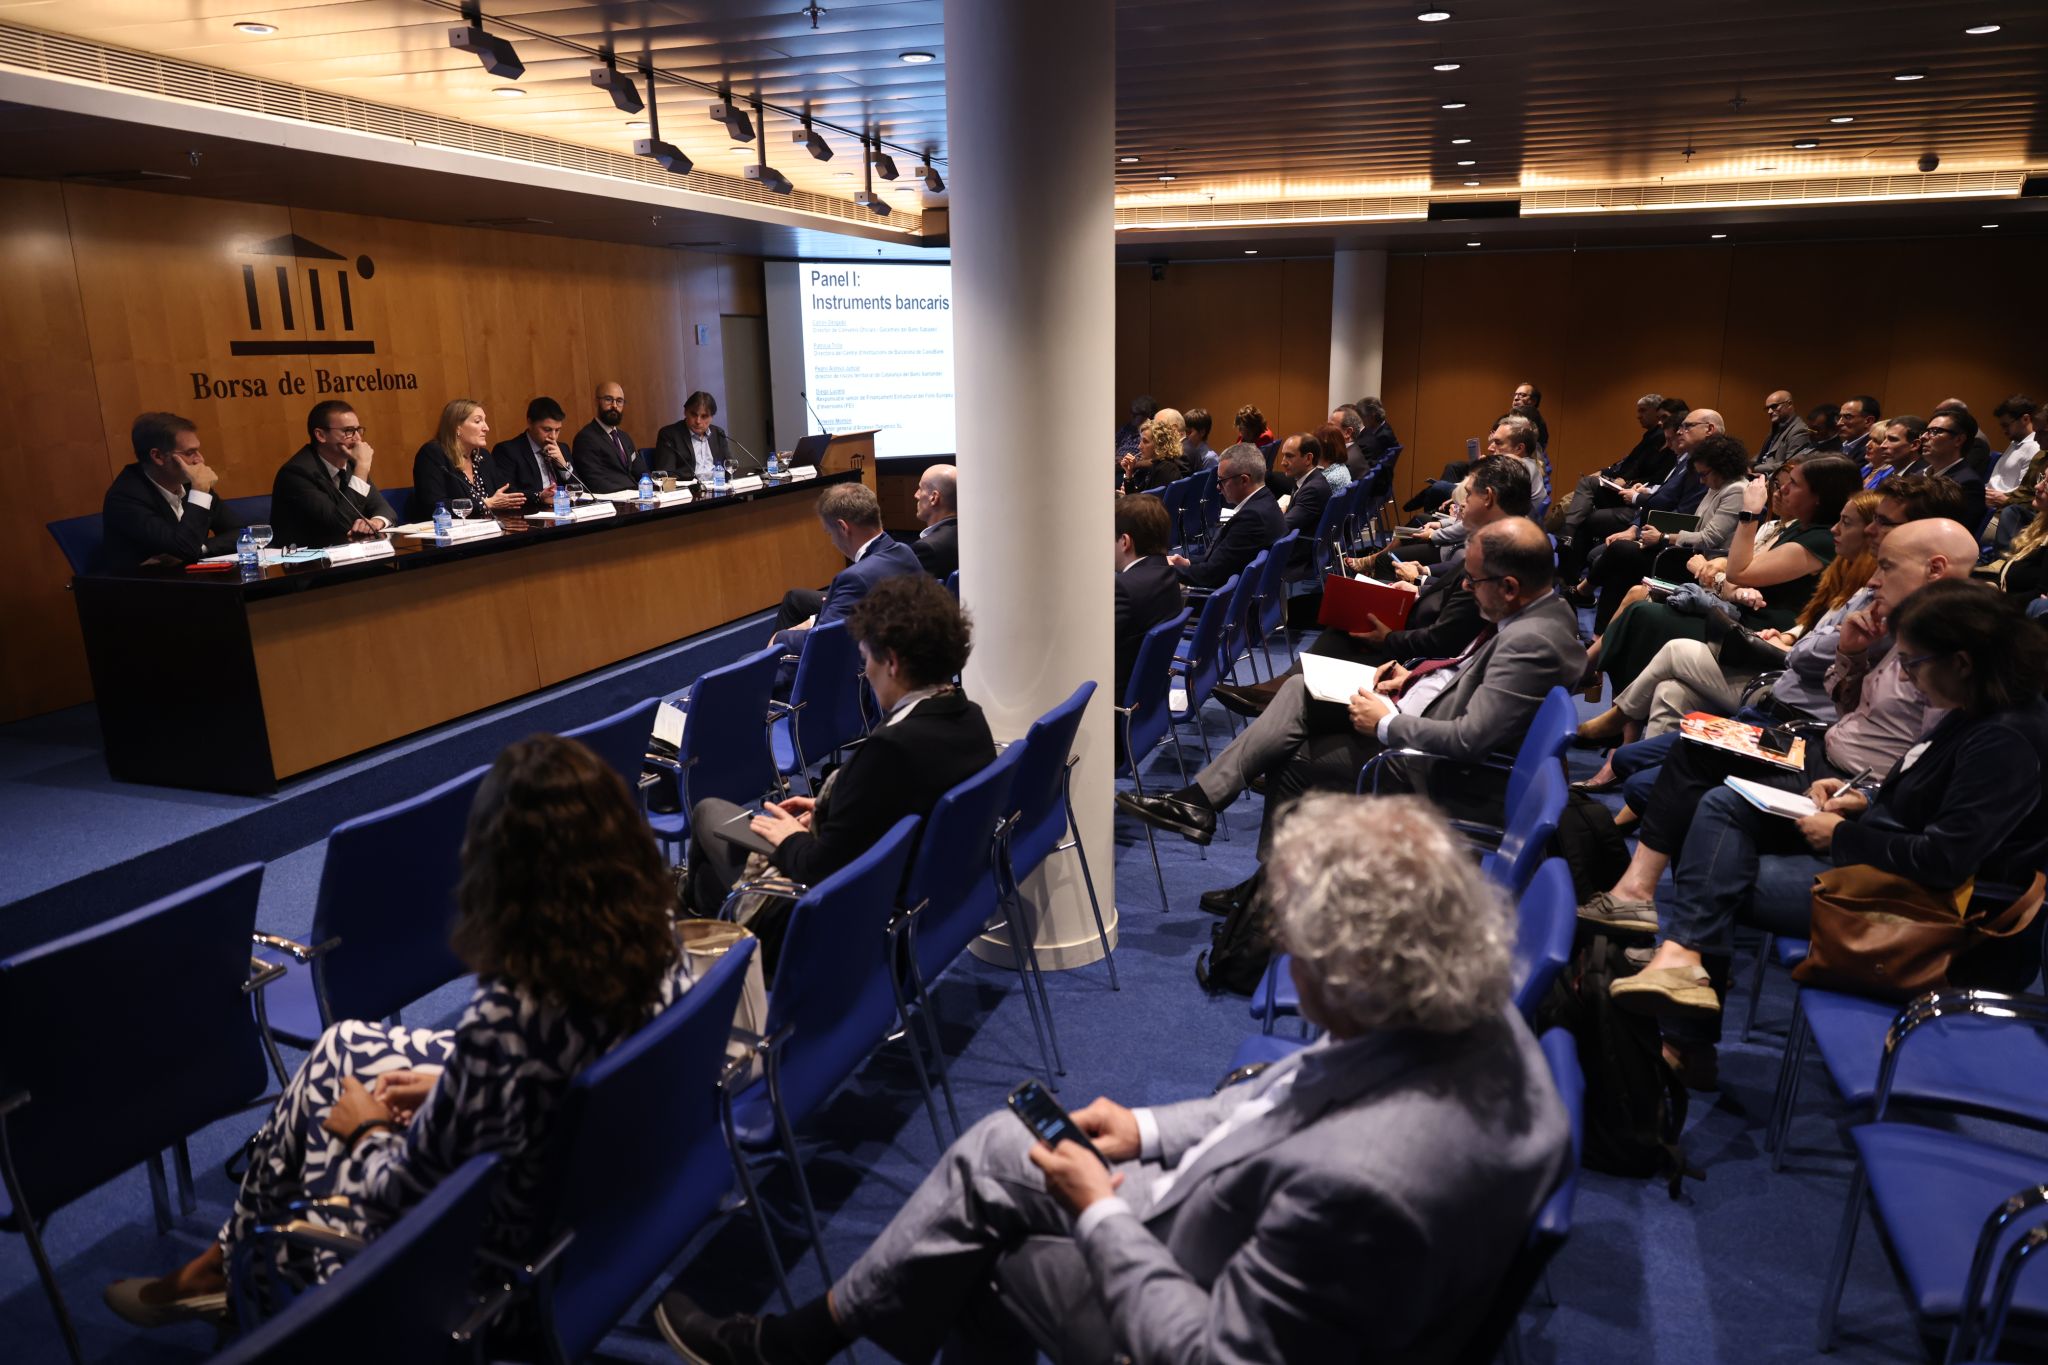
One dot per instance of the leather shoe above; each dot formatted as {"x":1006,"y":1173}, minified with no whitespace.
{"x":1197,"y":824}
{"x":705,"y":1340}
{"x":1225,"y":900}
{"x":1250,"y":702}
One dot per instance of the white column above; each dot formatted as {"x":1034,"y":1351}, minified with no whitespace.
{"x":1031,"y":133}
{"x":1358,"y":325}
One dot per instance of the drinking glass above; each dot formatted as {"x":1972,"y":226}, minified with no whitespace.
{"x":460,"y":507}
{"x":262,"y":535}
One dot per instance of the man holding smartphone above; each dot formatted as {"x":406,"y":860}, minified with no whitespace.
{"x":535,"y":460}
{"x":1245,"y":1221}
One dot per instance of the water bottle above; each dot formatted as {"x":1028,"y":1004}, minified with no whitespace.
{"x":646,"y":492}
{"x":245,"y":552}
{"x":774,"y":465}
{"x":563,"y":507}
{"x":444,"y":525}
{"x":718,"y":479}
{"x":1471,"y":448}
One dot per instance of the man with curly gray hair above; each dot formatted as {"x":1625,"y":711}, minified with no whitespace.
{"x":1360,"y":1200}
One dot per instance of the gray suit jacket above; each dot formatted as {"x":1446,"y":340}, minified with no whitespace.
{"x":1717,"y":512}
{"x":1496,"y":695}
{"x":1783,"y":444}
{"x":1368,"y":1216}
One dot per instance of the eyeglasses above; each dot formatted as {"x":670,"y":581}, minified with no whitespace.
{"x":1910,"y":662}
{"x":1941,"y":431}
{"x":1469,"y":581}
{"x":347,"y":431}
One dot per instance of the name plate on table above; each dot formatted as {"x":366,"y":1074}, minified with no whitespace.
{"x":596,"y":511}
{"x":800,"y":473}
{"x":751,"y":483}
{"x":350,"y":554}
{"x":460,"y":531}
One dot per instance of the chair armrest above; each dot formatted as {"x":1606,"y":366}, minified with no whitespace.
{"x":2010,"y":1208}
{"x":752,"y":1045}
{"x":519,"y":1276}
{"x":782,"y":888}
{"x":668,"y":765}
{"x":2031,"y":1010}
{"x":261,"y":974}
{"x":778,"y":709}
{"x":292,"y":948}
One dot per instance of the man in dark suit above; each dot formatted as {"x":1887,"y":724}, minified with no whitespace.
{"x":1255,"y":524}
{"x":603,"y":453}
{"x":162,"y":506}
{"x":1147,"y":589}
{"x":937,"y":500}
{"x":1648,"y":463}
{"x":1300,"y":459}
{"x":1789,"y":436}
{"x":693,"y":447}
{"x":1944,"y":447}
{"x":1371,"y":436}
{"x":533,"y":461}
{"x":323,"y":494}
{"x":1854,"y":423}
{"x":852,"y":517}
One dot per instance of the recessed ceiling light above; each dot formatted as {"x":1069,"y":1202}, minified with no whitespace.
{"x":1843,"y":118}
{"x":509,"y":92}
{"x":1767,"y":168}
{"x":1434,"y":16}
{"x":1468,"y":163}
{"x":1447,"y":66}
{"x":1990,"y":225}
{"x":1805,"y":145}
{"x":1127,"y":160}
{"x":741,"y":151}
{"x":636,"y":123}
{"x":1471,"y":244}
{"x":1716,"y":236}
{"x":842,"y":175}
{"x":914,"y":58}
{"x":1169,"y":177}
{"x":1460,"y":141}
{"x":1251,"y":251}
{"x":1455,"y":104}
{"x":1909,"y":75}
{"x":1471,"y":184}
{"x":255,"y":30}
{"x":1981,"y":29}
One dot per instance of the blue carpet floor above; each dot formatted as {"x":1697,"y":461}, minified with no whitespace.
{"x":1730,"y":1273}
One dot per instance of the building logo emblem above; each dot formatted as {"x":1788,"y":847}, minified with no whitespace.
{"x":285,"y":251}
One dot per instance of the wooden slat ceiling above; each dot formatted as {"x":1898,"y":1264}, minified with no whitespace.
{"x":1284,"y":99}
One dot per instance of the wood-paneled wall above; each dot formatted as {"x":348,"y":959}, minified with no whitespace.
{"x":1220,"y":335}
{"x":115,"y":298}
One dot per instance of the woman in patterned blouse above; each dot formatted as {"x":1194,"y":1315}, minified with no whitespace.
{"x":564,"y":913}
{"x":451,"y":465}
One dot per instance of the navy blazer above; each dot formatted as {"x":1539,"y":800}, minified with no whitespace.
{"x":1147,"y":594}
{"x":513,"y":462}
{"x":886,"y":558}
{"x":598,"y":462}
{"x":307,"y":508}
{"x":1256,"y":524}
{"x":1305,"y":514}
{"x":672,"y":450}
{"x":139,"y":525}
{"x":938,"y":549}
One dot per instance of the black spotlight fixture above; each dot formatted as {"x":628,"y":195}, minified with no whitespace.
{"x":866,"y":197}
{"x":665,"y":154}
{"x":934,"y":183}
{"x":738,"y":126}
{"x":763,"y":174}
{"x":812,"y":141}
{"x":884,"y":164}
{"x":494,"y":52}
{"x":617,"y":84}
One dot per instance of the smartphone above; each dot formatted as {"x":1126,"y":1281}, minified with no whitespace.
{"x":1043,"y":1115}
{"x":1775,"y":739}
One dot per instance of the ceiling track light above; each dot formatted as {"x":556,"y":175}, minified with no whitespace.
{"x":866,"y":196}
{"x":618,"y":84}
{"x":813,"y":141}
{"x":934,"y":183}
{"x":883,"y":163}
{"x":664,"y":154}
{"x":494,"y":52}
{"x":763,"y":174}
{"x":738,"y":126}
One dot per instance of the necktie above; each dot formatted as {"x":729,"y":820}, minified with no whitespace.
{"x":619,"y":440}
{"x":1429,"y":666}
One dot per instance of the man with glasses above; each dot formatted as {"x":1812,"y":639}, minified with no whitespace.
{"x":1854,"y":423}
{"x":162,"y":506}
{"x":1255,"y":524}
{"x":323,"y":495}
{"x":605,"y":457}
{"x":1789,"y":433}
{"x":1944,"y":450}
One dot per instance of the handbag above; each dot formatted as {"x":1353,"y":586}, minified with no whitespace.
{"x":1744,"y":651}
{"x":702,"y":942}
{"x":1877,"y":933}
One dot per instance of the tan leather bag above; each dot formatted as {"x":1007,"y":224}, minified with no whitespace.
{"x":703,"y":943}
{"x":1877,"y":933}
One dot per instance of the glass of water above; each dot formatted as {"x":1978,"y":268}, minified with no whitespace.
{"x":262,"y":535}
{"x":460,"y":507}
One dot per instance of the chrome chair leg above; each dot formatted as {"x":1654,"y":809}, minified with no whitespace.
{"x":181,"y":1167}
{"x":899,"y":960}
{"x":31,"y":1231}
{"x":1150,"y":842}
{"x":1052,"y":1033}
{"x":796,"y":1168}
{"x":1838,"y":1270}
{"x":1088,"y":880}
{"x":750,"y":1195}
{"x":1024,"y":958}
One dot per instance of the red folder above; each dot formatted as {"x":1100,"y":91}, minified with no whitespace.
{"x":1348,"y":601}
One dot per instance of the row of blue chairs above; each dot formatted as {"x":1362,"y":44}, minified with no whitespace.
{"x":82,"y":539}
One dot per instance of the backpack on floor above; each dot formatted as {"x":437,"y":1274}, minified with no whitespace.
{"x":1591,"y":844}
{"x":1239,"y":947}
{"x":1635,"y":1102}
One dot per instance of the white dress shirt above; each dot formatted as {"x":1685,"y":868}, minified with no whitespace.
{"x":2012,"y":465}
{"x":700,"y":454}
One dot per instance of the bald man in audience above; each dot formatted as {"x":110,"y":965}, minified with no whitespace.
{"x":604,"y":454}
{"x":937,"y":500}
{"x":1789,"y":433}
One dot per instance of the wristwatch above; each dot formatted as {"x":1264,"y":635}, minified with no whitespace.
{"x":1747,"y":515}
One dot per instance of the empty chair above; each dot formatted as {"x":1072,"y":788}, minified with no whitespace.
{"x":81,"y":539}
{"x":254,"y":510}
{"x":170,"y":990}
{"x":621,"y":739}
{"x":1270,"y":613}
{"x":1237,"y":623}
{"x":404,"y":1299}
{"x":1200,"y":668}
{"x":725,"y":750}
{"x":1531,"y":825}
{"x":824,"y":713}
{"x":382,"y":916}
{"x":1043,"y":797}
{"x":1145,"y":715}
{"x":1546,"y":920}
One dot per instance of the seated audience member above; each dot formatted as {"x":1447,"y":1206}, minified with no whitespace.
{"x":2009,"y":492}
{"x":2023,"y":570}
{"x":534,"y":461}
{"x":1156,"y":462}
{"x":1691,"y":675}
{"x":1141,"y":412}
{"x":937,"y":502}
{"x":1445,"y":617}
{"x":1944,"y":454}
{"x":1789,"y":434}
{"x":323,"y":494}
{"x":1147,"y":589}
{"x":1355,"y":1201}
{"x":1976,"y":450}
{"x":913,"y":639}
{"x":1528,"y":398}
{"x":162,"y":506}
{"x":852,"y":518}
{"x":1679,"y":490}
{"x":1647,"y":463}
{"x":1334,"y":444}
{"x":1821,"y":420}
{"x":1766,"y":588}
{"x":1251,"y":427}
{"x":1858,"y":417}
{"x":1462,"y":708}
{"x":1513,"y":435}
{"x":1256,"y":523}
{"x":1892,"y":449}
{"x":1375,"y":448}
{"x":1197,"y":451}
{"x":696,"y":447}
{"x":1720,"y":463}
{"x":604,"y":455}
{"x":564,"y":909}
{"x":1964,"y":806}
{"x":453,"y":464}
{"x":1300,"y":458}
{"x":1172,"y":417}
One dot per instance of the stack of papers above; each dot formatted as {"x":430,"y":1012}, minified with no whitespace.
{"x":361,"y":550}
{"x":1791,"y":805}
{"x":266,"y":556}
{"x":461,"y":530}
{"x":597,"y":511}
{"x":1337,"y":680}
{"x":750,"y":483}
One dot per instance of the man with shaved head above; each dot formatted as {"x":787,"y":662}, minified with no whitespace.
{"x":605,"y":457}
{"x":1789,"y":433}
{"x":938,"y":510}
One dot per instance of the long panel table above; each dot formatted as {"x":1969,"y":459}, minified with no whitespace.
{"x":210,"y":681}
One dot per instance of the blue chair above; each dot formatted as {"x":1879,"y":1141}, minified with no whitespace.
{"x":640,"y":1163}
{"x":1549,"y":734}
{"x":382,"y":916}
{"x":170,"y":990}
{"x":621,"y":739}
{"x":834,"y":1000}
{"x":725,"y":750}
{"x":82,"y":539}
{"x":1237,"y":624}
{"x":1145,"y":715}
{"x":1175,"y":497}
{"x":1531,"y":825}
{"x":1785,"y":952}
{"x":253,"y":510}
{"x":401,"y":502}
{"x":1206,"y":506}
{"x":1043,"y":796}
{"x":404,"y":1298}
{"x":824,"y":713}
{"x":1546,"y":920}
{"x":1201,"y":667}
{"x":1270,"y":611}
{"x":953,"y":584}
{"x":1327,"y":532}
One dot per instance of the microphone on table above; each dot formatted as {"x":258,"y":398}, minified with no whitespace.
{"x":341,"y":486}
{"x":759,"y":464}
{"x":813,"y":411}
